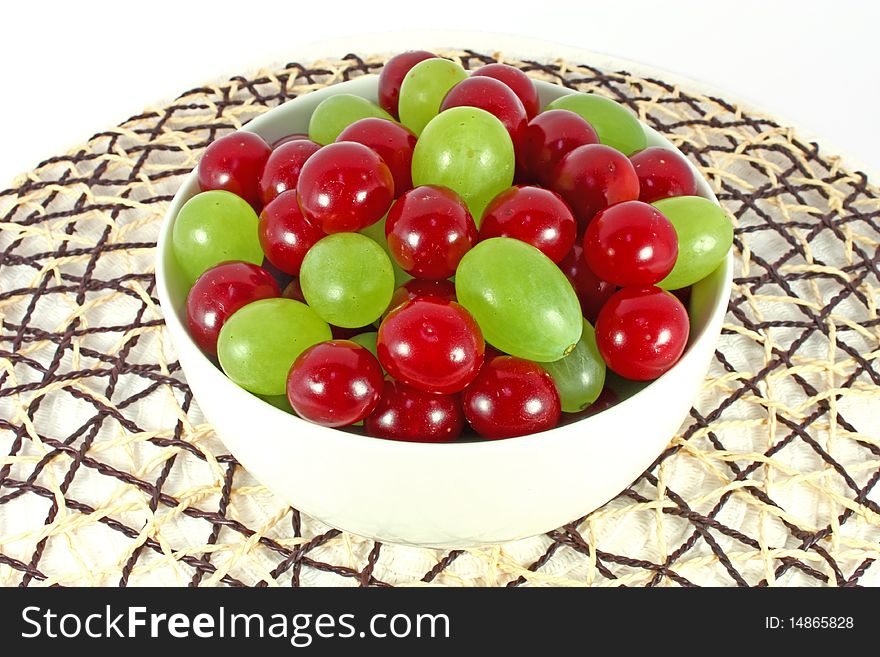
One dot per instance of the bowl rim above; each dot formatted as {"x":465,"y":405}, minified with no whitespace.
{"x":177,"y":328}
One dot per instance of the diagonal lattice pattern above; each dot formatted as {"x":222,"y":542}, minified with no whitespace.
{"x":109,"y":474}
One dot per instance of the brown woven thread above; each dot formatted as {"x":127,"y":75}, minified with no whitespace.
{"x":800,"y":344}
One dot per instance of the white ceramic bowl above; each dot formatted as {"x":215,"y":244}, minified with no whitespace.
{"x":440,"y":495}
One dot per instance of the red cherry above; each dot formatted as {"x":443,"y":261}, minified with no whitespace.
{"x":344,"y":187}
{"x":294,"y":291}
{"x":296,"y":136}
{"x":533,"y":215}
{"x":431,"y":344}
{"x":285,"y":234}
{"x":631,"y":244}
{"x":591,"y":290}
{"x":283,"y":167}
{"x":334,"y":383}
{"x":641,"y":332}
{"x":550,"y":136}
{"x":392,"y":75}
{"x":429,"y":229}
{"x":218,"y":293}
{"x":235,"y":163}
{"x":592,"y":177}
{"x":407,"y":413}
{"x":521,"y":84}
{"x":511,"y":397}
{"x":419,"y":287}
{"x":493,"y":96}
{"x":393,"y":142}
{"x":662,"y":173}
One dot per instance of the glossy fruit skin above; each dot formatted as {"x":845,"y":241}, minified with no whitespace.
{"x":234,"y":163}
{"x":429,"y":229}
{"x":511,"y":397}
{"x":550,"y":136}
{"x":344,"y":187}
{"x":662,"y":174}
{"x":407,"y":413}
{"x":431,"y":344}
{"x":214,"y":227}
{"x":615,"y":125}
{"x":592,"y":177}
{"x":392,"y":142}
{"x":283,"y":167}
{"x":705,"y":235}
{"x":347,"y":279}
{"x":423,"y":88}
{"x":631,"y":244}
{"x":533,"y":215}
{"x":493,"y":96}
{"x":335,"y":113}
{"x":260,"y":341}
{"x":334,"y":383}
{"x":642,"y":332}
{"x":524,"y":304}
{"x":285,"y":234}
{"x":417,"y":287}
{"x":592,"y":291}
{"x":520,"y":83}
{"x":579,"y":377}
{"x":467,"y":150}
{"x":392,"y":75}
{"x":221,"y":291}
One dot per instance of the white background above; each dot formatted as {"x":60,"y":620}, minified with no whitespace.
{"x":69,"y":70}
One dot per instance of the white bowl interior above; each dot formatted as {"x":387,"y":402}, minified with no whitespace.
{"x":443,"y":495}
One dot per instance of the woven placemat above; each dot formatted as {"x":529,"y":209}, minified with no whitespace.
{"x":109,"y":474}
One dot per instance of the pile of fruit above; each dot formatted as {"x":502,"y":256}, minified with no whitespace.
{"x":450,"y":256}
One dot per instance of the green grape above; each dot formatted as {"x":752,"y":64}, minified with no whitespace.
{"x":423,"y":90}
{"x":367,"y":340}
{"x":259,"y":342}
{"x":347,"y":278}
{"x":213,"y":227}
{"x":376,"y":232}
{"x":523,"y":303}
{"x":705,"y":235}
{"x":278,"y":401}
{"x":579,"y":377}
{"x":468,"y":150}
{"x":337,"y":112}
{"x":613,"y":123}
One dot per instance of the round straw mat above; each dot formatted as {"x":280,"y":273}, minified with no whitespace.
{"x":109,"y":474}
